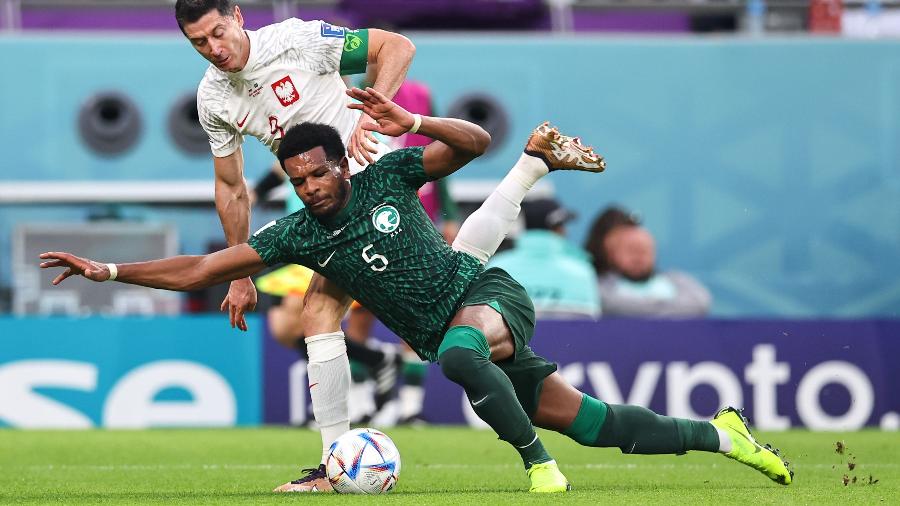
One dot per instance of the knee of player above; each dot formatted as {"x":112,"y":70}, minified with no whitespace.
{"x":287,"y":340}
{"x":283,"y":327}
{"x":457,"y":363}
{"x":320,"y":317}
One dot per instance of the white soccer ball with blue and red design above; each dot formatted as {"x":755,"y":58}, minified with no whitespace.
{"x":363,"y":461}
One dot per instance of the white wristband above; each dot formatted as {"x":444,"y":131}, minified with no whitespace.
{"x":417,"y":122}
{"x":113,"y":271}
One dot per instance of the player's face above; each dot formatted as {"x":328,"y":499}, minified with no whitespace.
{"x":321,"y":184}
{"x":220,"y":39}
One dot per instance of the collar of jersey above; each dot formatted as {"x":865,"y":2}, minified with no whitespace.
{"x":251,"y":58}
{"x":342,"y":216}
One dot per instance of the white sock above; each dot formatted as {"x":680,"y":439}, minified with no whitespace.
{"x":484,"y":230}
{"x":329,"y":385}
{"x":362,"y":400}
{"x":724,"y":441}
{"x":411,"y":399}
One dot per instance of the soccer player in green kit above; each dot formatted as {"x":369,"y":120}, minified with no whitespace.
{"x":370,"y":235}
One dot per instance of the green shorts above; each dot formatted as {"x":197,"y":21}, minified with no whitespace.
{"x":497,"y":289}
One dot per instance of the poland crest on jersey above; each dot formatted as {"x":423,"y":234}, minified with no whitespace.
{"x":285,"y":91}
{"x":386,"y":219}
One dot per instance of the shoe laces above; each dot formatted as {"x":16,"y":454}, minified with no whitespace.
{"x":554,"y":136}
{"x":575,"y":142}
{"x":312,"y":473}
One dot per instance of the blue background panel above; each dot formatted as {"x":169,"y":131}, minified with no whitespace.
{"x":118,"y":346}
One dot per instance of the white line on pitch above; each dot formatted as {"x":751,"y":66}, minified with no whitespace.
{"x":250,"y":467}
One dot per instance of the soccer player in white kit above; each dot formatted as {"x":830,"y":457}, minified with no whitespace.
{"x":260,"y":83}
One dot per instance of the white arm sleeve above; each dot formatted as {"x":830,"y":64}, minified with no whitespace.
{"x":223,"y":138}
{"x":317,"y":45}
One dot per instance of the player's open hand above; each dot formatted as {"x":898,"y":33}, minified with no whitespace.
{"x":362,"y":143}
{"x":95,"y":271}
{"x":240,"y":299}
{"x":389,"y":118}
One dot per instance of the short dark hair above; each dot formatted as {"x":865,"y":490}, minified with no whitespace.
{"x":305,"y":136}
{"x":612,"y":217}
{"x":189,"y":11}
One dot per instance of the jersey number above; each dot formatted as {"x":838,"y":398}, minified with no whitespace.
{"x":373,"y":258}
{"x":275,"y":128}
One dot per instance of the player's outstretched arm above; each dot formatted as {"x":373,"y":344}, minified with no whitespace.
{"x":457,"y":141}
{"x":181,"y":273}
{"x":233,"y":206}
{"x":389,"y":55}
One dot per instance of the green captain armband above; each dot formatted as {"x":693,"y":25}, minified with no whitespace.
{"x":356,"y":52}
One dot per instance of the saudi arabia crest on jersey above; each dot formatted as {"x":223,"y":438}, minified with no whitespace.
{"x":386,"y":218}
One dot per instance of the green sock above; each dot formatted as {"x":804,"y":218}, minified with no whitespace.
{"x":465,"y":359}
{"x":414,"y":372}
{"x":588,"y":422}
{"x":634,"y":429}
{"x":358,"y":372}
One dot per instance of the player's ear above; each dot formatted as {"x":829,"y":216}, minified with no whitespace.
{"x":238,"y":17}
{"x":345,"y":168}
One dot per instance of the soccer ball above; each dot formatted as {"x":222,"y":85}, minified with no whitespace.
{"x":363,"y":461}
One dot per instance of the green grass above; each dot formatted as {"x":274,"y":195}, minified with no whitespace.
{"x":440,"y":466}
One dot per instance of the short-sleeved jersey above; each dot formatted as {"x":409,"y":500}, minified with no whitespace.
{"x":293,"y":74}
{"x":382,"y":249}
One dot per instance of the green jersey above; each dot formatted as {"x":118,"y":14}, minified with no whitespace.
{"x":383,"y":250}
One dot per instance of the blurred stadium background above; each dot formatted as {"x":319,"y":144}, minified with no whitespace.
{"x":759,"y":141}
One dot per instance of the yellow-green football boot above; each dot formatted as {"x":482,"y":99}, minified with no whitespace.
{"x":746,"y":450}
{"x":546,"y":478}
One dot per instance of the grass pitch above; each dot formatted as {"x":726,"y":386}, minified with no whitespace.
{"x":439,"y":466}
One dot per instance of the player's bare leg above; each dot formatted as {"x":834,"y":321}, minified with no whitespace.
{"x":637,"y":430}
{"x":285,"y":322}
{"x":545,"y":151}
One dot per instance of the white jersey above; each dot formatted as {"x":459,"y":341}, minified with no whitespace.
{"x":292,"y":76}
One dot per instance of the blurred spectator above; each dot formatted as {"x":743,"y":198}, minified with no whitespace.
{"x":625,"y":261}
{"x":556,"y":273}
